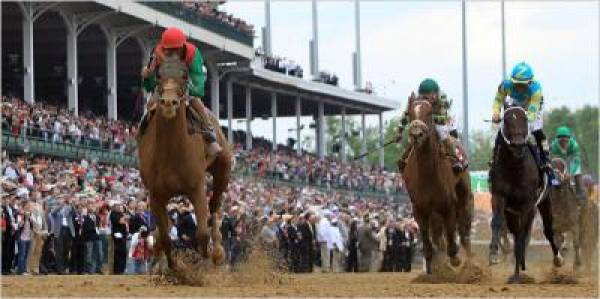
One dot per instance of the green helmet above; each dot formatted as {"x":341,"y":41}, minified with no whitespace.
{"x":428,"y":86}
{"x":563,"y":132}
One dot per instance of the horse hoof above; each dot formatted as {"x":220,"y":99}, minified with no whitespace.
{"x":454,"y":261}
{"x":514,"y":279}
{"x":494,"y":259}
{"x":218,"y":255}
{"x":558,"y":261}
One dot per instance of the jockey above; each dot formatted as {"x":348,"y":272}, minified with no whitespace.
{"x":443,"y":126}
{"x":174,"y":42}
{"x":566,"y":147}
{"x":522,"y":90}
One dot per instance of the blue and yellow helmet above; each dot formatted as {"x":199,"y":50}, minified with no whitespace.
{"x":521,"y":73}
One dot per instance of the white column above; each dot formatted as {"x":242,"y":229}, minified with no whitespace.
{"x":274,"y":117}
{"x":298,"y":131}
{"x":363,"y":129}
{"x":248,"y":118}
{"x":465,"y":131}
{"x":315,"y":38}
{"x":28,"y":83}
{"x":343,"y":147}
{"x":321,"y":130}
{"x":267,"y":35}
{"x":357,"y":39}
{"x":381,"y":149}
{"x":502,"y":20}
{"x":111,"y":75}
{"x":72,"y":69}
{"x":214,"y":90}
{"x":230,"y":112}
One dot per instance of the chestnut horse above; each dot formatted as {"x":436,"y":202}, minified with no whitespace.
{"x":434,"y":189}
{"x":518,"y":186}
{"x":173,"y":162}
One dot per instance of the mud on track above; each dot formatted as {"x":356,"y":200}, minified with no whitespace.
{"x":342,"y":284}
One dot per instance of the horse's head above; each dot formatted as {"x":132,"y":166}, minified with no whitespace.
{"x":515,"y":130}
{"x":171,"y":86}
{"x":420,"y":112}
{"x":559,"y":166}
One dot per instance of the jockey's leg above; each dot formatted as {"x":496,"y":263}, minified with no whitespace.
{"x":449,"y":147}
{"x":208,"y":131}
{"x":542,"y":144}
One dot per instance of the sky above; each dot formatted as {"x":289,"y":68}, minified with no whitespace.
{"x":405,"y":41}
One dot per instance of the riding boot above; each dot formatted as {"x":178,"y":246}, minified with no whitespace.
{"x":208,"y":132}
{"x":404,"y":157}
{"x":450,"y":149}
{"x":579,"y":191}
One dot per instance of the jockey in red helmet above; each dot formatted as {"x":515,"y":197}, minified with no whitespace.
{"x":174,"y":42}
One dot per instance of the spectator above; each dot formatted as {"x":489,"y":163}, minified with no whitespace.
{"x":119,"y":222}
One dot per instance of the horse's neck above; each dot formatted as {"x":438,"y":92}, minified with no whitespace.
{"x":171,"y":136}
{"x":427,"y":156}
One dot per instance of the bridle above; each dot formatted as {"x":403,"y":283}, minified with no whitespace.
{"x":504,"y":117}
{"x":430,"y":119}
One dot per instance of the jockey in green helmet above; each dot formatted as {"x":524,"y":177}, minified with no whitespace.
{"x":566,"y":147}
{"x":444,"y":126}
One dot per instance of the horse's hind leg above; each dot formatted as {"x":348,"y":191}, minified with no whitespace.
{"x":220,"y":169}
{"x":545,"y":209}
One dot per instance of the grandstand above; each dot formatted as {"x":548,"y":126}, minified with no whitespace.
{"x":87,"y":56}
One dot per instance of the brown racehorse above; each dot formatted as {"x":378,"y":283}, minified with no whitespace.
{"x":434,"y":189}
{"x":173,"y":162}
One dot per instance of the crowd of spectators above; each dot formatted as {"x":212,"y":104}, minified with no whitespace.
{"x":209,"y":10}
{"x":285,"y":164}
{"x":60,"y":125}
{"x":280,"y":64}
{"x":327,"y":78}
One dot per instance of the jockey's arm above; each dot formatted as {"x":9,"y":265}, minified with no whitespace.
{"x":535,"y":104}
{"x":575,"y":153}
{"x":196,"y":76}
{"x":149,"y":83}
{"x":499,"y":100}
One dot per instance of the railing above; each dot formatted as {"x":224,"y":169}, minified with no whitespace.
{"x":177,"y":10}
{"x":35,"y":145}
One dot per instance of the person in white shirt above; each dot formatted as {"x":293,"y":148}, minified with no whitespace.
{"x":323,"y":231}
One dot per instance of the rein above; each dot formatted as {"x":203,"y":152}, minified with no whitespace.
{"x":503,"y":118}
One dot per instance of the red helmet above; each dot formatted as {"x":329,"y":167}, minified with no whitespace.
{"x":173,"y":38}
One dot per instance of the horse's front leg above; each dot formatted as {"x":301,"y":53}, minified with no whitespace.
{"x":545,"y":209}
{"x":497,"y":226}
{"x":423,"y":221}
{"x":200,"y":203}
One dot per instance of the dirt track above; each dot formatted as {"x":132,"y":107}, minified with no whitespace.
{"x":364,"y":284}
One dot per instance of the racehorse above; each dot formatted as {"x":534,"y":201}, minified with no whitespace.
{"x":173,"y":162}
{"x":434,"y":189}
{"x":518,"y":186}
{"x":588,"y":226}
{"x":565,"y":209}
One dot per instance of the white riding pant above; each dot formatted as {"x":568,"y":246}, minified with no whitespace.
{"x":443,"y":131}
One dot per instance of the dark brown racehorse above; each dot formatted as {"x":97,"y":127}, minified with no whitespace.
{"x":565,"y":209}
{"x":518,"y":187}
{"x":438,"y":195}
